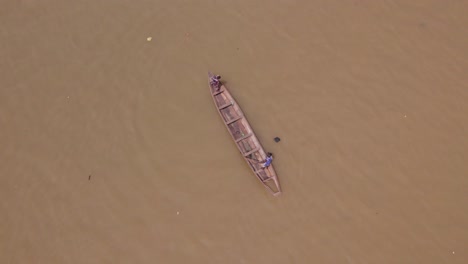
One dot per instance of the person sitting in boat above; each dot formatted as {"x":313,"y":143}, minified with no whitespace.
{"x":268,"y":160}
{"x":215,"y":81}
{"x":265,"y":163}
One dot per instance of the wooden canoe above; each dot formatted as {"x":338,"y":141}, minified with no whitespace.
{"x":243,"y":136}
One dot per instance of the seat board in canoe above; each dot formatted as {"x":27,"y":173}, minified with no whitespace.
{"x":243,"y":136}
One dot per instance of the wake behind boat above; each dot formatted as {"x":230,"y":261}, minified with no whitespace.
{"x":243,"y":135}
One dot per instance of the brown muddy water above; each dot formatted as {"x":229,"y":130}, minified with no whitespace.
{"x":112,"y":150}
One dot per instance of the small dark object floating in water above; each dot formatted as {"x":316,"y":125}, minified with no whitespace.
{"x":277,"y":139}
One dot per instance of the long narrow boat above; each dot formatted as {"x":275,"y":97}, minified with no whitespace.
{"x":243,"y":136}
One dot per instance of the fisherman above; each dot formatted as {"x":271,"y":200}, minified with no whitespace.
{"x":215,"y":81}
{"x":268,"y":160}
{"x":265,"y":163}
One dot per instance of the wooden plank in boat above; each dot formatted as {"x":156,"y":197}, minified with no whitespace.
{"x":234,"y":120}
{"x":221,"y":91}
{"x":225,"y":105}
{"x":244,"y":137}
{"x":252,"y":151}
{"x":268,"y":179}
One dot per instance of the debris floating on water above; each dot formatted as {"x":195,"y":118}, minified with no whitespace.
{"x":177,"y":213}
{"x":149,"y":38}
{"x":277,"y":139}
